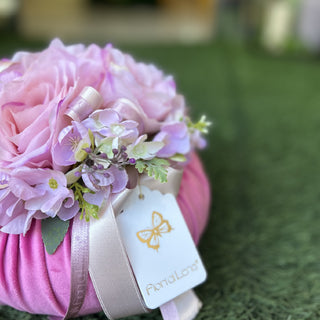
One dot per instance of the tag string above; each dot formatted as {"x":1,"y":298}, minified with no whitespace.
{"x":141,"y":195}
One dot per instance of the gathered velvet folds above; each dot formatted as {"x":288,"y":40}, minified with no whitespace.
{"x":31,"y":280}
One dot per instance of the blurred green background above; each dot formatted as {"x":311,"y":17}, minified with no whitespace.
{"x":260,"y":87}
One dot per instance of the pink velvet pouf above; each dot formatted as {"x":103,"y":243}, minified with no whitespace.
{"x":31,"y":280}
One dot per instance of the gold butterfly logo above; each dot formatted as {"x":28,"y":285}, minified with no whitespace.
{"x":151,"y":236}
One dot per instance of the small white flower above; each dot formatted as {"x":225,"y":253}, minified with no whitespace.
{"x":144,"y":150}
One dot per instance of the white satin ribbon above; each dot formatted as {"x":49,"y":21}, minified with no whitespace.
{"x":109,"y":266}
{"x":110,"y":269}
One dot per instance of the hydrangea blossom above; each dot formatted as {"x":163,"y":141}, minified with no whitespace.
{"x":97,"y":179}
{"x":30,"y":191}
{"x":175,"y":138}
{"x":110,"y":131}
{"x":71,"y":143}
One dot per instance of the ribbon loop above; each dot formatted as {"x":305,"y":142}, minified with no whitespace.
{"x":110,"y":269}
{"x":88,"y":101}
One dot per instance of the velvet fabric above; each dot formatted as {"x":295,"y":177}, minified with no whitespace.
{"x":31,"y":280}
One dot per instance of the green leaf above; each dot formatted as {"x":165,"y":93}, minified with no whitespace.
{"x":155,"y":167}
{"x":91,"y":136}
{"x":178,"y":157}
{"x":91,"y":210}
{"x":88,"y":209}
{"x":53,"y":232}
{"x":106,"y":147}
{"x":202,"y":125}
{"x":140,"y":166}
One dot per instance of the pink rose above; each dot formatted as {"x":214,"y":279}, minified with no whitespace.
{"x":37,"y":88}
{"x":141,"y":91}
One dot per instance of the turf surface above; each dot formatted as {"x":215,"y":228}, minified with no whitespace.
{"x":261,"y":247}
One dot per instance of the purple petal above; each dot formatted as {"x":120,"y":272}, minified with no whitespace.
{"x":178,"y":129}
{"x":106,"y":117}
{"x":23,"y":190}
{"x":87,"y":181}
{"x":16,"y":225}
{"x":130,"y":124}
{"x":20,"y":224}
{"x":17,"y":206}
{"x":67,"y":213}
{"x":98,"y":197}
{"x":63,"y":155}
{"x":121,"y":179}
{"x":104,"y":180}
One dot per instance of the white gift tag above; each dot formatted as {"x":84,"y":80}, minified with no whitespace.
{"x":163,"y":256}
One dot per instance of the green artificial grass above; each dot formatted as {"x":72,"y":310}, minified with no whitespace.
{"x":262,"y":245}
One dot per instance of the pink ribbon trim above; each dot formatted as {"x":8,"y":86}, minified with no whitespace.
{"x":79,"y":266}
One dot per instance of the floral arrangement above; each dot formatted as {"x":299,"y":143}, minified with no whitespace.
{"x":80,"y":124}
